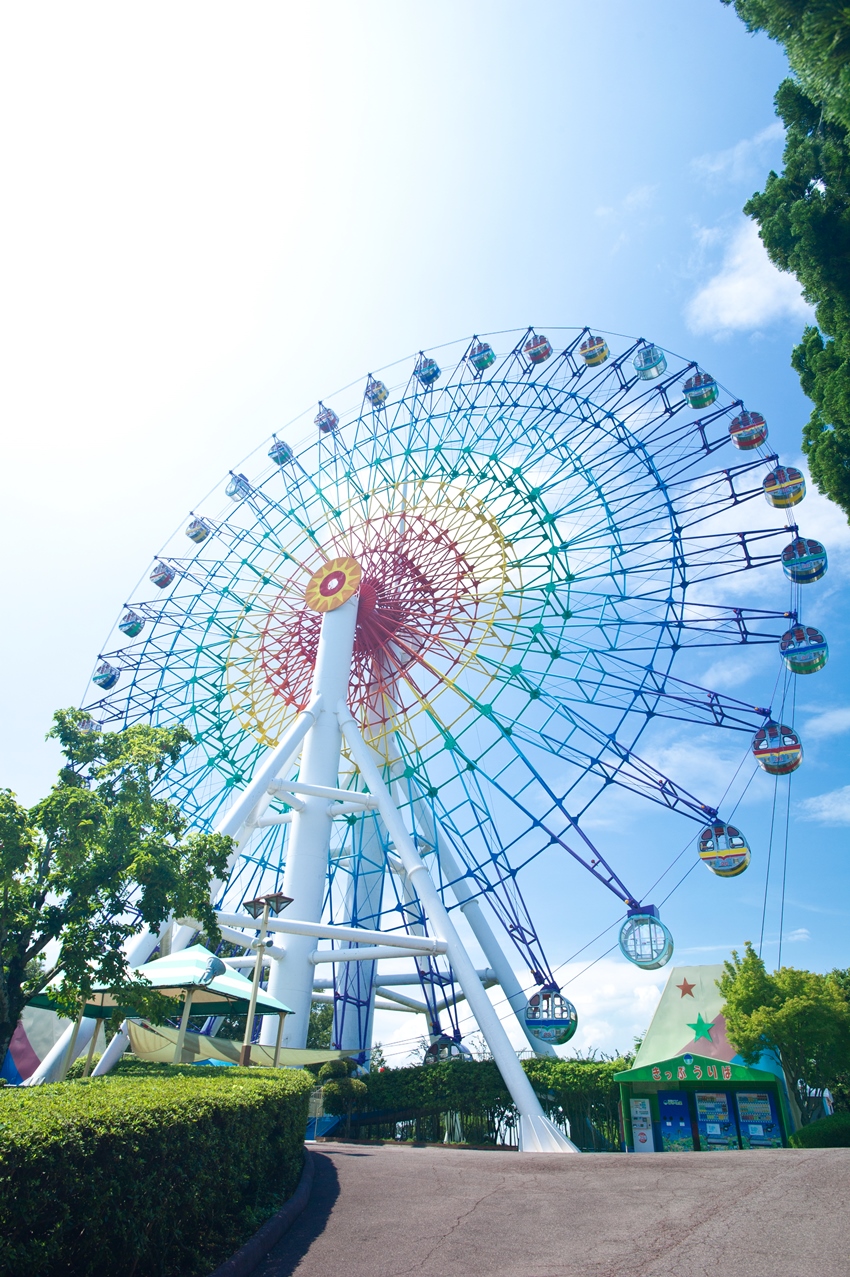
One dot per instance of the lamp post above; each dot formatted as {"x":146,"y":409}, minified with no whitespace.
{"x":273,"y":903}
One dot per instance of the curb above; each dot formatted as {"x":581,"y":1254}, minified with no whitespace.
{"x":243,"y":1263}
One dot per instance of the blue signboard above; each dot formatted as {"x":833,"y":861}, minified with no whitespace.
{"x":715,"y":1120}
{"x":758,"y":1121}
{"x":676,"y":1135}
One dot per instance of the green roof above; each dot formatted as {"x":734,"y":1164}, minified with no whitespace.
{"x":699,"y":1068}
{"x":216,"y":988}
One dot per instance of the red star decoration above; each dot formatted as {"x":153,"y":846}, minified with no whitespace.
{"x":687,"y":989}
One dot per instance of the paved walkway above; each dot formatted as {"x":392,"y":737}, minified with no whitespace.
{"x":391,"y":1211}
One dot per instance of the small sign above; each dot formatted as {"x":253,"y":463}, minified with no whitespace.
{"x":641,"y":1111}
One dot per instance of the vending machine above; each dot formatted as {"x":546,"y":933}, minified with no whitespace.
{"x":642,"y":1125}
{"x":758,"y":1120}
{"x":676,"y":1133}
{"x":715,"y":1120}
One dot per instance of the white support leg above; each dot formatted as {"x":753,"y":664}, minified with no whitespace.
{"x":291,"y":981}
{"x":537,"y":1134}
{"x":481,"y":929}
{"x":117,"y":1046}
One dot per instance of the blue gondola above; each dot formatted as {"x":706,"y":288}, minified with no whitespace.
{"x":644,"y":939}
{"x":482,"y":356}
{"x":723,"y":848}
{"x":538,"y":348}
{"x":106,"y":676}
{"x":198,"y":531}
{"x":650,"y":362}
{"x":550,"y":1017}
{"x":701,"y":390}
{"x":804,"y":649}
{"x":804,"y":561}
{"x":748,"y":430}
{"x":784,"y":487}
{"x":326,"y":419}
{"x":281,"y":453}
{"x":777,"y":749}
{"x":427,"y":370}
{"x":131,"y":623}
{"x":238,"y":487}
{"x":162,"y":575}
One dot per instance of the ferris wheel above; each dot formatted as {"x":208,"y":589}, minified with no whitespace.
{"x":425,"y":632}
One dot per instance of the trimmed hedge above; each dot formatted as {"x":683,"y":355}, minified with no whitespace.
{"x":420,"y":1101}
{"x":152,"y":1174}
{"x":826,"y":1132}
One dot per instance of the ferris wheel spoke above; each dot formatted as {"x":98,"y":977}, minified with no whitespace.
{"x":615,"y":683}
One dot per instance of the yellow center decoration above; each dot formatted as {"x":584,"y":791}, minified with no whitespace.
{"x":335,"y":583}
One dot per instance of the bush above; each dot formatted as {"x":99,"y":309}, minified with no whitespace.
{"x":77,"y":1067}
{"x":417,"y":1100}
{"x":165,"y":1175}
{"x":332,"y":1069}
{"x":827,"y":1132}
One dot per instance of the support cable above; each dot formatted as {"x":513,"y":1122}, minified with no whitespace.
{"x":769,"y":856}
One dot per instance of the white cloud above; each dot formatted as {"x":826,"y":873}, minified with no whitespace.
{"x":639,"y":197}
{"x":827,"y":809}
{"x":831,"y":722}
{"x":729,"y":672}
{"x":799,"y":934}
{"x":743,"y":160}
{"x":747,"y":293}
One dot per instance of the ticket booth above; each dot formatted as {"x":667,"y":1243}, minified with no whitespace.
{"x":694,"y":1103}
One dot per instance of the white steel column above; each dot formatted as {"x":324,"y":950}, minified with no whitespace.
{"x":304,"y":879}
{"x":480,"y":927}
{"x":536,"y":1133}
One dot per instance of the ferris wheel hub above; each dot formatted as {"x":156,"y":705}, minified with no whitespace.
{"x":333,"y":584}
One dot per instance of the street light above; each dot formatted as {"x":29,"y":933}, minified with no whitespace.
{"x":273,"y":903}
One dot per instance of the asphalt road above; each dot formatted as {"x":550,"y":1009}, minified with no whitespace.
{"x":386,"y":1211}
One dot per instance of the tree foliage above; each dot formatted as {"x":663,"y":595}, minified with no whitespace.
{"x":803,"y":214}
{"x":816,"y":37}
{"x":321,"y":1026}
{"x":99,"y":859}
{"x":803,"y":1017}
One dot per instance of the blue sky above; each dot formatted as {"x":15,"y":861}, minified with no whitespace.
{"x":218,"y":216}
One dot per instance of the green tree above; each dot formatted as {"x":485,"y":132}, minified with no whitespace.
{"x":341,"y":1093}
{"x":803,"y":214}
{"x":840,"y":1086}
{"x":816,"y":37}
{"x":99,"y":859}
{"x":321,"y":1026}
{"x":803,"y":1017}
{"x":377,"y":1059}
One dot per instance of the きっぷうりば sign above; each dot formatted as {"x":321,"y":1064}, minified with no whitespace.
{"x":692,"y":1073}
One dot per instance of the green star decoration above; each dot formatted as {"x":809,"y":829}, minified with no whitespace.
{"x":702,"y":1028}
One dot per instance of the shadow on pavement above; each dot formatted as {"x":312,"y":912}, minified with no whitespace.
{"x":310,"y":1224}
